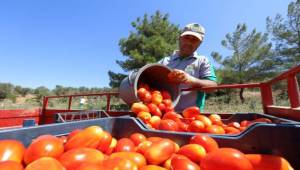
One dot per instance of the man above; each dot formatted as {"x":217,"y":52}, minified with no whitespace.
{"x":189,"y":68}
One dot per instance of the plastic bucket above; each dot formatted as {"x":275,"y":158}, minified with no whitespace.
{"x":155,"y":75}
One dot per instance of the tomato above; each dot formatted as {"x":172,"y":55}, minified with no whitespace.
{"x":44,"y":146}
{"x":169,"y":109}
{"x":207,"y":142}
{"x":191,"y":112}
{"x":154,"y":139}
{"x":104,"y":141}
{"x":214,"y":116}
{"x":45,"y":163}
{"x":125,"y":144}
{"x":216,"y":121}
{"x":231,"y":130}
{"x":207,"y":122}
{"x":234,"y":124}
{"x":180,"y":162}
{"x":141,"y":93}
{"x":169,"y":125}
{"x":270,"y":162}
{"x":137,"y":138}
{"x":172,"y":115}
{"x":112,"y":146}
{"x":155,"y":121}
{"x":135,"y":157}
{"x":139,"y":107}
{"x":159,"y":151}
{"x":162,"y":107}
{"x":144,"y":116}
{"x":154,"y":110}
{"x":156,"y":98}
{"x":90,"y":166}
{"x":73,"y":133}
{"x":167,"y":102}
{"x":184,"y":127}
{"x":144,"y":85}
{"x":262,"y":120}
{"x":152,"y":167}
{"x":245,"y":123}
{"x":88,"y":137}
{"x":143,"y":146}
{"x":197,"y":126}
{"x":226,"y":159}
{"x":11,"y":165}
{"x":166,"y":94}
{"x":11,"y":150}
{"x":75,"y":157}
{"x":215,"y":129}
{"x":119,"y":164}
{"x":147,"y":98}
{"x":194,"y":152}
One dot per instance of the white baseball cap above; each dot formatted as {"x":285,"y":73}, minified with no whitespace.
{"x":194,"y":29}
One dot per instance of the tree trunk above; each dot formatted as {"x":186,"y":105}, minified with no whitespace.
{"x":241,"y":95}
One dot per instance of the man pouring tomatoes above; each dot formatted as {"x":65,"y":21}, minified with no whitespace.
{"x":189,"y":68}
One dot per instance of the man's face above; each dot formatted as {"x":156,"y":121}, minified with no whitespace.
{"x":188,"y":44}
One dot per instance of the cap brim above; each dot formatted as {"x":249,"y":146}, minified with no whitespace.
{"x":199,"y":36}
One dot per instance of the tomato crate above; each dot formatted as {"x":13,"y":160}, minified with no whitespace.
{"x":277,"y":139}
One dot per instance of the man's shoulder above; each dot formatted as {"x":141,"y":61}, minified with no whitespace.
{"x":201,"y":58}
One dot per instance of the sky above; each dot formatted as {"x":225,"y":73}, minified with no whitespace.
{"x":75,"y":42}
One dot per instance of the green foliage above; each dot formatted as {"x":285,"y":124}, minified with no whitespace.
{"x":154,"y":38}
{"x":251,"y":58}
{"x":286,"y":34}
{"x":22,"y":91}
{"x":40,"y":92}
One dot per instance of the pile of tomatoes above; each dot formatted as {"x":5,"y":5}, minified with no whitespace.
{"x":93,"y":148}
{"x":157,"y":112}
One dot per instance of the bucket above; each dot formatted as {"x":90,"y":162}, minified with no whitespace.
{"x":155,"y":75}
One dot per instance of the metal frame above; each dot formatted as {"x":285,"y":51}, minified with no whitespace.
{"x":292,"y":112}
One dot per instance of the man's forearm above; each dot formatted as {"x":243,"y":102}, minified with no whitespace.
{"x":202,"y":83}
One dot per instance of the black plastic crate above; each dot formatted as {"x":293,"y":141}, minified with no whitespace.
{"x":277,"y":139}
{"x":81,"y":115}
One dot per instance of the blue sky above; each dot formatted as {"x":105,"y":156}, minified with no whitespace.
{"x":75,"y":42}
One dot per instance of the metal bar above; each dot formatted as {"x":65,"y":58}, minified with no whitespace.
{"x":266,"y":96}
{"x":79,"y":95}
{"x":224,"y":86}
{"x":293,"y":91}
{"x":291,"y":72}
{"x":70,"y":102}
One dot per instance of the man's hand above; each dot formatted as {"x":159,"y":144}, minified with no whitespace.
{"x":179,"y":76}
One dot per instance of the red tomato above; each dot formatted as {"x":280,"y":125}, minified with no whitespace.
{"x":112,"y":146}
{"x":197,"y":126}
{"x":156,"y":98}
{"x":167,"y":102}
{"x":172,"y":115}
{"x":245,"y":123}
{"x":169,"y":109}
{"x":147,"y":98}
{"x":194,"y":152}
{"x":214,"y":116}
{"x":141,"y":93}
{"x":88,"y":137}
{"x":180,"y":162}
{"x":139,"y":107}
{"x":231,"y":130}
{"x":270,"y":162}
{"x":104,"y":141}
{"x":154,"y":110}
{"x":90,"y":166}
{"x":191,"y":112}
{"x":43,"y":146}
{"x":73,"y":133}
{"x":159,"y":151}
{"x":119,"y":164}
{"x":144,"y":85}
{"x":152,"y":167}
{"x":11,"y":150}
{"x":125,"y":145}
{"x":215,"y":129}
{"x":155,"y":121}
{"x":143,"y":146}
{"x":144,"y":116}
{"x":75,"y":157}
{"x":45,"y":163}
{"x":11,"y":165}
{"x":207,"y":142}
{"x":135,"y":157}
{"x":216,"y":121}
{"x":168,"y":125}
{"x":162,"y":107}
{"x":207,"y":122}
{"x":184,"y":127}
{"x":154,"y":139}
{"x":262,"y":120}
{"x":166,"y":94}
{"x":137,"y":138}
{"x":226,"y":159}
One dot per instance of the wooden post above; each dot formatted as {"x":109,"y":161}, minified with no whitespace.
{"x":266,"y":96}
{"x":293,"y":91}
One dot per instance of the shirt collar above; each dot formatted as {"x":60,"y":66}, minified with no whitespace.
{"x":176,"y":56}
